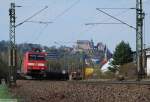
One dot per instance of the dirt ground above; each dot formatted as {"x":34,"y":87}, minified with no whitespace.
{"x":64,"y":91}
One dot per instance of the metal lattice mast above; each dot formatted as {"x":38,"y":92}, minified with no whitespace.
{"x":12,"y":46}
{"x":139,"y":38}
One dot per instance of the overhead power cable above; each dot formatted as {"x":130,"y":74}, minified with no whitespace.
{"x":116,"y":18}
{"x":118,"y":8}
{"x":31,"y":16}
{"x":41,"y":22}
{"x":47,"y":24}
{"x":66,"y":10}
{"x":118,"y":14}
{"x":39,"y":34}
{"x":101,"y":23}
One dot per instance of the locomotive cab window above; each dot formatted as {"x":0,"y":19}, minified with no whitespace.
{"x":32,"y":57}
{"x":40,"y":57}
{"x":36,"y":57}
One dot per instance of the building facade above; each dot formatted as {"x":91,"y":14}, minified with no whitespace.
{"x":148,"y":62}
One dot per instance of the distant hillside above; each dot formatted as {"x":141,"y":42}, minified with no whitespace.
{"x":100,"y":51}
{"x":4,"y":46}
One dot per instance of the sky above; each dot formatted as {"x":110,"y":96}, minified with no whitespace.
{"x":69,"y":19}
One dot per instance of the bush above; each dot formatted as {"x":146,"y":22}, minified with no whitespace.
{"x":108,"y":75}
{"x":103,"y":75}
{"x":3,"y":70}
{"x":129,"y":71}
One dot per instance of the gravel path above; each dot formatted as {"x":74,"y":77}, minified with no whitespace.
{"x":63,"y":91}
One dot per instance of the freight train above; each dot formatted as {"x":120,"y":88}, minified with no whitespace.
{"x":36,"y":65}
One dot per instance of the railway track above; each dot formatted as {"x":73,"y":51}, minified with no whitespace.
{"x":143,"y":82}
{"x":97,"y":82}
{"x":63,"y":77}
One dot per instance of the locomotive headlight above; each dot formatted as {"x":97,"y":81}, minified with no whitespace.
{"x":63,"y":72}
{"x":41,"y":64}
{"x":31,"y":64}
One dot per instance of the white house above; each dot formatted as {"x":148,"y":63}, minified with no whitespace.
{"x":106,"y":65}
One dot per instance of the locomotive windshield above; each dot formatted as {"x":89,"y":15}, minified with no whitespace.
{"x":36,"y":57}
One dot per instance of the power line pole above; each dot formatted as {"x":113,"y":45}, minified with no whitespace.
{"x":139,"y":39}
{"x":12,"y":47}
{"x":139,"y":35}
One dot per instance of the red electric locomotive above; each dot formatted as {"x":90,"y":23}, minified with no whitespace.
{"x":35,"y":63}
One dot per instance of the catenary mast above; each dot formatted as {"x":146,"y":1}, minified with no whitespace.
{"x":12,"y":47}
{"x":139,"y":38}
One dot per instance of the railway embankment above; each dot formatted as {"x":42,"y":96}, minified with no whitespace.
{"x":67,"y":91}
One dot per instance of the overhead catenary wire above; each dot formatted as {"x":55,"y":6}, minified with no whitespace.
{"x":93,"y":25}
{"x":39,"y":34}
{"x":116,"y":18}
{"x":67,"y":9}
{"x":118,"y":8}
{"x":101,"y":23}
{"x":47,"y":24}
{"x":31,"y":16}
{"x":63,"y":13}
{"x":121,"y":22}
{"x":110,"y":22}
{"x":40,"y":22}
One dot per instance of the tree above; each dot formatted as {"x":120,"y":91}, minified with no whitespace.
{"x":3,"y":69}
{"x":121,"y":56}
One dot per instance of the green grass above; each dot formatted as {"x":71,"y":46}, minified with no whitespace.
{"x":4,"y":94}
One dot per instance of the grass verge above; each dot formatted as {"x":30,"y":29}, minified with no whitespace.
{"x":4,"y":94}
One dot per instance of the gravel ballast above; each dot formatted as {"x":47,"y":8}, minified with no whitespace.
{"x":65,"y":91}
